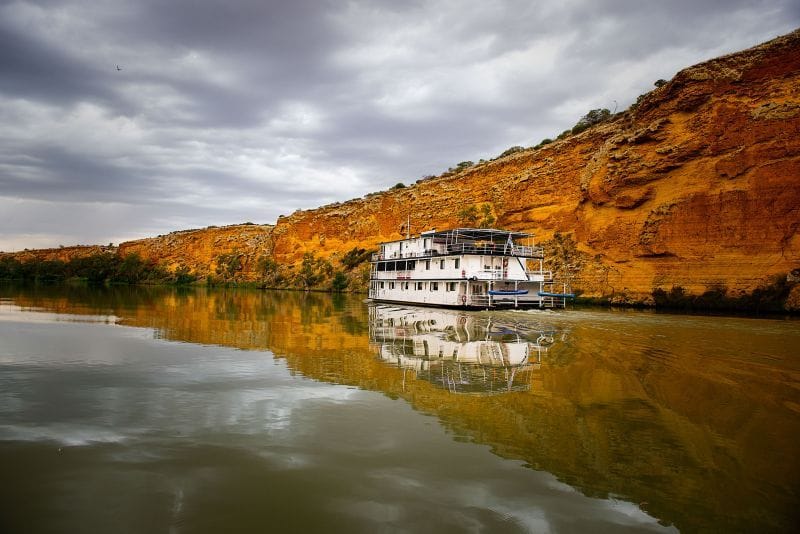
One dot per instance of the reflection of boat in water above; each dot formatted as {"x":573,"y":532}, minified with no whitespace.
{"x":459,"y":351}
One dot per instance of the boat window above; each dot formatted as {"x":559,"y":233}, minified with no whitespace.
{"x":457,"y":263}
{"x":391,"y":285}
{"x":381,"y":285}
{"x":427,"y":265}
{"x":441,"y":264}
{"x":434,"y":286}
{"x":419,"y":286}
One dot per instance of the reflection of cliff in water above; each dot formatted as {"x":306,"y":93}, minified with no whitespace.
{"x":695,"y":417}
{"x":460,"y":352}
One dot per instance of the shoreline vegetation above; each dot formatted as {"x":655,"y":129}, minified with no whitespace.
{"x":352,"y":276}
{"x":351,"y":273}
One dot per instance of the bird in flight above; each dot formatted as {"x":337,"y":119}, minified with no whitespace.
{"x":119,"y":68}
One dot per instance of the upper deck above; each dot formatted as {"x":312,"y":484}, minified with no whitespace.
{"x":461,"y":241}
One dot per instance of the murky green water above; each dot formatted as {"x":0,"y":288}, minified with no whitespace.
{"x":161,"y":410}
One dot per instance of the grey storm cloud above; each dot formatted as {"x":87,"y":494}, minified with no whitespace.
{"x":233,"y":111}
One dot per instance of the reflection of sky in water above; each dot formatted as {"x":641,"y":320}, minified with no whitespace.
{"x":202,"y":429}
{"x":62,"y":379}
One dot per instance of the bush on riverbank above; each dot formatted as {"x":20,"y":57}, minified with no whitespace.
{"x":772,"y":297}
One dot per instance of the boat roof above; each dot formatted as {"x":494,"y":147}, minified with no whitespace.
{"x":476,"y":234}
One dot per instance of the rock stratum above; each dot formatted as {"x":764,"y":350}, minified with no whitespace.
{"x":696,"y":186}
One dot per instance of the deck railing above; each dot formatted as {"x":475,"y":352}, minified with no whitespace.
{"x":478,"y":300}
{"x":494,"y":249}
{"x":487,"y":274}
{"x":467,"y":248}
{"x":547,"y":275}
{"x":477,"y":274}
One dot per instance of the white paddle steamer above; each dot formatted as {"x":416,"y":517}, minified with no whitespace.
{"x":465,"y":267}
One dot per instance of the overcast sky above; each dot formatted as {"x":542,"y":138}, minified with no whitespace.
{"x":122,"y":119}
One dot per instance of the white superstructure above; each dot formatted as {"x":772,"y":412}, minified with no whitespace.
{"x":464,"y":267}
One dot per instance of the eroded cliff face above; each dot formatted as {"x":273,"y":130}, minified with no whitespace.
{"x":206,"y":250}
{"x":60,"y":253}
{"x":697,"y":186}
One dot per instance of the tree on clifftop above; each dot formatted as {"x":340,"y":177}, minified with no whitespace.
{"x":596,"y":116}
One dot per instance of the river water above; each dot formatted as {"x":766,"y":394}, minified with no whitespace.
{"x":169,"y":410}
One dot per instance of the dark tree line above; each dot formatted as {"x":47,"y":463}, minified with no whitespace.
{"x":97,"y":268}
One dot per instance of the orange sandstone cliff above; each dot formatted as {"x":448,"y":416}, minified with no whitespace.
{"x":697,"y":186}
{"x":61,"y":253}
{"x":202,"y":250}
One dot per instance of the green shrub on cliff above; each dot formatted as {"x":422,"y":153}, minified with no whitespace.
{"x":468,"y":216}
{"x":595,"y":116}
{"x":512,"y":150}
{"x":562,"y":256}
{"x":266,"y":266}
{"x":229,"y":265}
{"x":313,"y":271}
{"x":461,"y":166}
{"x":487,"y":217}
{"x":475,"y":217}
{"x":271,"y":274}
{"x":339,"y":282}
{"x":132,"y":269}
{"x":355,"y":256}
{"x":184,"y":276}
